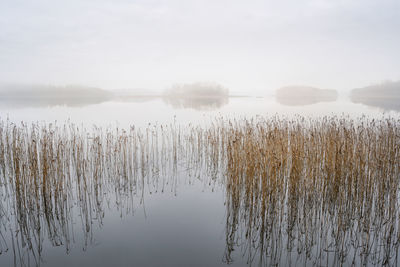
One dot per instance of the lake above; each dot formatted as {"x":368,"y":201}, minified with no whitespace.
{"x":179,"y":183}
{"x":141,"y":111}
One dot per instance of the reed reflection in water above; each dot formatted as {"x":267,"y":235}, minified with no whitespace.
{"x":53,"y":175}
{"x":318,"y":192}
{"x":323,"y":193}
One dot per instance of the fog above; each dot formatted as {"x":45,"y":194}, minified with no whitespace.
{"x":251,"y":47}
{"x":199,"y":133}
{"x":300,"y":95}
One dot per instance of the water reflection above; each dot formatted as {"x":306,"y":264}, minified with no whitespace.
{"x":50,"y":174}
{"x":197,"y":103}
{"x":57,"y":181}
{"x":302,"y":95}
{"x":316,"y":192}
{"x":385,"y":96}
{"x":36,"y":96}
{"x":326,"y":195}
{"x":135,"y":98}
{"x":383,"y":103}
{"x":198,"y":96}
{"x":21,"y":96}
{"x":40,"y":102}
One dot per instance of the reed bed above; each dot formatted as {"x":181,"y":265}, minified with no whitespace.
{"x":51,"y":176}
{"x":319,"y":192}
{"x":314,"y":192}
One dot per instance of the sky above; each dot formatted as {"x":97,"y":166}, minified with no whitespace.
{"x":251,"y":47}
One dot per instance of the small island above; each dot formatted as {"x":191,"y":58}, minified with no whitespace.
{"x":49,"y":95}
{"x":385,"y":96}
{"x":199,"y":96}
{"x":304,"y":95}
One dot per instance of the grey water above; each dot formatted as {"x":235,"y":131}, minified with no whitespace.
{"x":182,"y":224}
{"x":140,"y":111}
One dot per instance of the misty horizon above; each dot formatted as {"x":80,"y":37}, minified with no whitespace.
{"x":248,"y":47}
{"x":199,"y":133}
{"x":143,"y":91}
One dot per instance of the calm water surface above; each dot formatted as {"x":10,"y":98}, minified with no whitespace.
{"x":142,"y":111}
{"x":182,"y":225}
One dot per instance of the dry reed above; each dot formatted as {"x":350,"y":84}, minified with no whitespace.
{"x":318,"y":192}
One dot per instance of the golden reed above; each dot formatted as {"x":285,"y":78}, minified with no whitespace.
{"x":298,"y":191}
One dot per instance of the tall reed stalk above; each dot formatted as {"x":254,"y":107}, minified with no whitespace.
{"x":298,"y":191}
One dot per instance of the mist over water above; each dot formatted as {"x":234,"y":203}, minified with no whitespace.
{"x":212,"y":133}
{"x":240,"y":191}
{"x":251,"y":48}
{"x":91,"y":177}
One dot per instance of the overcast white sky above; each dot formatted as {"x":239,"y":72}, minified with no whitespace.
{"x":248,"y":46}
